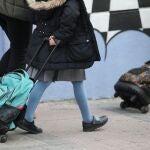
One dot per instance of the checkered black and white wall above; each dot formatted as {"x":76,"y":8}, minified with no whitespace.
{"x":113,"y":16}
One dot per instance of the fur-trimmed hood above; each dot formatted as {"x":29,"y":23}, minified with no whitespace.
{"x":45,"y":5}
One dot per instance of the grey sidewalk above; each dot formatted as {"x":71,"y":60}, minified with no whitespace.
{"x":61,"y":121}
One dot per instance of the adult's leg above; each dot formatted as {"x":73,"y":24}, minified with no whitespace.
{"x":4,"y":63}
{"x":3,"y":23}
{"x":19,"y":33}
{"x":5,"y":58}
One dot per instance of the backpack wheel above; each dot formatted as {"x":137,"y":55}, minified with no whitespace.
{"x":123,"y":105}
{"x":144,"y":109}
{"x":3,"y":138}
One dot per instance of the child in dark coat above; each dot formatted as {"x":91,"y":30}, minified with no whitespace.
{"x":68,"y":22}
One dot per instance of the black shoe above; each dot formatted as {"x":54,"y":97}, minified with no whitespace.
{"x":29,"y":126}
{"x":96,"y":123}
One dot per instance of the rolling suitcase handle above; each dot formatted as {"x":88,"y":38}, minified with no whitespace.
{"x":47,"y":59}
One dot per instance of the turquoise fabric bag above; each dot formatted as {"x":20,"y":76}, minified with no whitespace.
{"x":15,"y":88}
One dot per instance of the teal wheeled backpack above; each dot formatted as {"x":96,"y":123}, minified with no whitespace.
{"x":14,"y":91}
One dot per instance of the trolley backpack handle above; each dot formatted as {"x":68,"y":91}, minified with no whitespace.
{"x":47,"y":59}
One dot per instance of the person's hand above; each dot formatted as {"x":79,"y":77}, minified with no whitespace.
{"x":52,"y":41}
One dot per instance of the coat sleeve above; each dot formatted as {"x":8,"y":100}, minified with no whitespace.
{"x":68,"y":21}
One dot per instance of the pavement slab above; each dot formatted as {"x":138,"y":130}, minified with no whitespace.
{"x":62,"y":125}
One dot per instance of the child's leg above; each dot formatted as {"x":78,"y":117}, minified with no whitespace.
{"x":34,"y":99}
{"x":82,"y":101}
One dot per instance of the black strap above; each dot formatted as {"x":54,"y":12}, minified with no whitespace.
{"x":47,"y":59}
{"x":55,"y":76}
{"x":36,"y":53}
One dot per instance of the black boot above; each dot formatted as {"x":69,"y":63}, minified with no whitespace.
{"x":96,"y":123}
{"x":29,"y":126}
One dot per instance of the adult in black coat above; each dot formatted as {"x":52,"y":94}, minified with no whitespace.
{"x":18,"y":33}
{"x":65,"y":21}
{"x":14,"y":20}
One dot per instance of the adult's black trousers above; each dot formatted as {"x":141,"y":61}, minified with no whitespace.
{"x":18,"y":33}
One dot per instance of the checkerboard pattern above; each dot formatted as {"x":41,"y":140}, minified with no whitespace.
{"x":113,"y":16}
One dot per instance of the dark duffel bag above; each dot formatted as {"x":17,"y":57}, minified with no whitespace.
{"x":134,"y":88}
